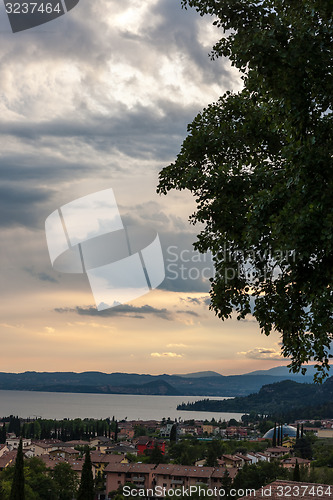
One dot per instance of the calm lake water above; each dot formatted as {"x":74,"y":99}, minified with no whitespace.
{"x":57,"y":405}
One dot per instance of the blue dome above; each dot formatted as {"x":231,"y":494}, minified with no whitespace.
{"x":287,"y":430}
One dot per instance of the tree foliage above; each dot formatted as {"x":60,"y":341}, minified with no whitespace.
{"x":259,"y":163}
{"x":65,"y":481}
{"x":17,"y":489}
{"x":87,"y":486}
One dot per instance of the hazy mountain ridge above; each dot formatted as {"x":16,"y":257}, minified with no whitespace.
{"x":279,"y":397}
{"x":194,"y":384}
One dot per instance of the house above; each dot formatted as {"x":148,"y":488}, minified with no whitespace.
{"x":290,"y":489}
{"x":3,"y":449}
{"x":121,"y":447}
{"x":244,"y":459}
{"x":145,"y":444}
{"x":7,"y":459}
{"x":289,"y":443}
{"x":64,"y":452}
{"x":126,"y":433}
{"x":290,"y":463}
{"x":165,"y":430}
{"x":277,"y":452}
{"x":76,"y":464}
{"x":232,"y":461}
{"x":207,"y":429}
{"x":43,"y":446}
{"x":141,"y":475}
{"x":13,"y":443}
{"x":324,"y":433}
{"x":257,"y":457}
{"x":100,"y":460}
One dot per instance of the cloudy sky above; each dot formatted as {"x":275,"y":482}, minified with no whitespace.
{"x":100,"y":98}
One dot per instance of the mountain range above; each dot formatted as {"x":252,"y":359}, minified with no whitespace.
{"x":279,"y":398}
{"x":192,"y":384}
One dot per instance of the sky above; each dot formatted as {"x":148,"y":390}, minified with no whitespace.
{"x":100,"y":98}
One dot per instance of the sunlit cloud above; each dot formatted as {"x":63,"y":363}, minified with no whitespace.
{"x":165,"y":355}
{"x":262,"y":353}
{"x":49,"y":329}
{"x":177,"y":346}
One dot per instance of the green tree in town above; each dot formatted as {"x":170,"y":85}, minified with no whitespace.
{"x":17,"y":490}
{"x":214,"y":452}
{"x":256,"y":475}
{"x":3,"y":434}
{"x":155,"y":456}
{"x":259,"y":164}
{"x":226,"y":484}
{"x":65,"y":481}
{"x":274,"y":436}
{"x":303,"y":447}
{"x":173,"y":434}
{"x":296,"y":472}
{"x":38,"y":484}
{"x":87,"y":487}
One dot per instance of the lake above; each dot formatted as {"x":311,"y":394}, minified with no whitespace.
{"x":55,"y":405}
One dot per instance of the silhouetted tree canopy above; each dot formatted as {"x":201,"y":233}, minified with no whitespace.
{"x":259,"y":164}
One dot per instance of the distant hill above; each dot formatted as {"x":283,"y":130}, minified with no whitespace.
{"x":280,"y":397}
{"x":200,"y":375}
{"x":283,"y":371}
{"x":193,"y":384}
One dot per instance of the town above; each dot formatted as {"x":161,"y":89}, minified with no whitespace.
{"x":152,"y":459}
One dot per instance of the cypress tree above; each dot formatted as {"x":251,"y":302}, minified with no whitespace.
{"x":302,"y":431}
{"x":3,"y":434}
{"x":296,"y":473}
{"x":297,"y":435}
{"x":226,"y":483}
{"x":86,"y":489}
{"x":173,"y":434}
{"x":17,"y":491}
{"x":274,"y":437}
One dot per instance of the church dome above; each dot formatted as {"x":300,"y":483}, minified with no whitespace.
{"x":287,"y":431}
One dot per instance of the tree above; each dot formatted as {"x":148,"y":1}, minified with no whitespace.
{"x":296,"y":472}
{"x":3,"y":434}
{"x":256,"y":475}
{"x":65,"y":480}
{"x":17,"y":490}
{"x":303,"y":447}
{"x":173,"y":434}
{"x":86,"y":489}
{"x":274,"y":436}
{"x":155,"y":455}
{"x":226,"y":484}
{"x":259,"y":163}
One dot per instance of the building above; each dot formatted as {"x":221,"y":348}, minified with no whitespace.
{"x":145,"y":444}
{"x":290,"y":463}
{"x":287,"y":431}
{"x":141,"y":475}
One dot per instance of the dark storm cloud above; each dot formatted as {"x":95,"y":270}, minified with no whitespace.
{"x":19,"y":206}
{"x":120,"y":311}
{"x":40,"y":275}
{"x":139,"y":132}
